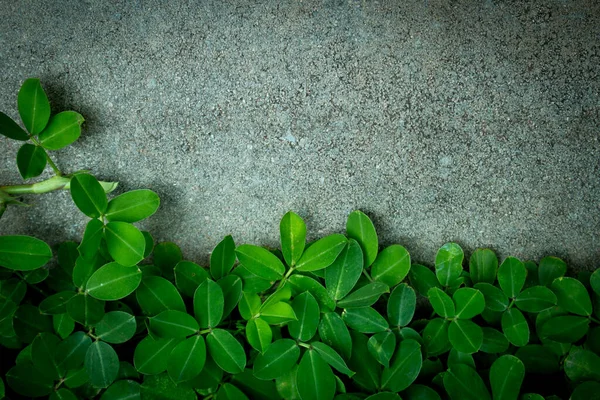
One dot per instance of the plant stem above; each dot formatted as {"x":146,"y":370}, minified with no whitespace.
{"x":50,"y":162}
{"x":54,"y":183}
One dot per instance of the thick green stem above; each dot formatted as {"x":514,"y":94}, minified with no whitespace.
{"x":54,"y":183}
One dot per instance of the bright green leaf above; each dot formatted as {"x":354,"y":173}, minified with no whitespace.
{"x":88,"y":195}
{"x":465,"y":336}
{"x":572,"y":296}
{"x":230,"y":392}
{"x":23,"y":253}
{"x":405,"y":368}
{"x":315,"y":378}
{"x":495,"y":299}
{"x":249,"y":305}
{"x":342,"y":275}
{"x":279,"y":357}
{"x":208,"y":304}
{"x":551,"y":268}
{"x":506,"y":377}
{"x":535,"y":299}
{"x":113,"y":281}
{"x":227,"y":352}
{"x":483,"y":266}
{"x":307,"y":313}
{"x":331,"y":357}
{"x":187,"y":359}
{"x":422,"y":279}
{"x":63,"y":324}
{"x":442,"y":303}
{"x":360,"y":228}
{"x":401,"y":305}
{"x":463,"y":382}
{"x":382,"y":346}
{"x":368,"y":370}
{"x":188,"y":276}
{"x":92,"y":238}
{"x":156,"y":294}
{"x":391,"y":265}
{"x":222,"y":258}
{"x":364,"y":320}
{"x":435,"y":337}
{"x":333,"y":332}
{"x":71,"y":352}
{"x":259,"y":334}
{"x":33,"y":105}
{"x":260,"y":261}
{"x":151,"y":356}
{"x":364,"y":296}
{"x":31,"y":160}
{"x":301,"y":283}
{"x":515,"y":327}
{"x":448,"y":263}
{"x":511,"y":276}
{"x":63,"y":129}
{"x":125,"y":243}
{"x":469,"y":303}
{"x":292,"y":232}
{"x":322,"y":253}
{"x":133,"y":206}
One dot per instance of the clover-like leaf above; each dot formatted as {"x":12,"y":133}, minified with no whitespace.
{"x":382,"y":346}
{"x":125,"y":242}
{"x":515,"y":327}
{"x":156,"y":294}
{"x":31,"y":160}
{"x":188,"y":276}
{"x":364,"y":320}
{"x":33,"y":105}
{"x":116,"y":327}
{"x":391,"y":265}
{"x":422,"y":279}
{"x":564,"y":328}
{"x":63,"y":129}
{"x":56,"y":303}
{"x":572,"y":296}
{"x":334,"y":333}
{"x":88,"y":195}
{"x":494,"y":341}
{"x":448,"y":263}
{"x":469,"y":303}
{"x":365,"y":296}
{"x":10,"y":129}
{"x":405,"y":368}
{"x":463,"y":382}
{"x":302,"y":283}
{"x":259,"y":334}
{"x":292,"y":232}
{"x":465,"y":336}
{"x":506,"y":377}
{"x":151,"y":356}
{"x":495,"y":299}
{"x":173,"y":324}
{"x":535,"y":299}
{"x":483,"y":266}
{"x":435,"y":337}
{"x":442,"y":303}
{"x":278,"y":313}
{"x":551,"y":268}
{"x":581,"y":365}
{"x":511,"y":276}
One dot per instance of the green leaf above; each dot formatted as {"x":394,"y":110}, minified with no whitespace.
{"x":572,"y":296}
{"x":506,"y":377}
{"x":92,"y":238}
{"x":307,"y":312}
{"x":538,"y":359}
{"x":515,"y":327}
{"x":63,"y":129}
{"x":283,"y":293}
{"x":63,"y":324}
{"x":125,"y":243}
{"x":23,"y":253}
{"x":116,"y":327}
{"x":448,"y":263}
{"x":88,"y":195}
{"x":254,"y":387}
{"x":11,"y":130}
{"x":277,"y":359}
{"x":33,"y":105}
{"x":249,"y":305}
{"x":457,"y":357}
{"x":187,"y":359}
{"x":331,"y":357}
{"x":382,"y":346}
{"x":259,"y":334}
{"x":28,"y":322}
{"x":31,"y":160}
{"x":401,"y":305}
{"x":292,"y":232}
{"x":113,"y":281}
{"x":465,"y":336}
{"x":564,"y":329}
{"x":162,"y":387}
{"x":483,"y":265}
{"x":322,"y":253}
{"x":333,"y":332}
{"x":442,"y":303}
{"x":188,"y":276}
{"x":173,"y":324}
{"x":56,"y":303}
{"x":391,"y":265}
{"x":122,"y":390}
{"x":364,"y":320}
{"x":132,"y":206}
{"x":278,"y":313}
{"x":85,"y":309}
{"x":63,"y":394}
{"x":535,"y":299}
{"x":469,"y":303}
{"x":420,"y":392}
{"x":101,"y":364}
{"x":151,"y":355}
{"x":315,"y":378}
{"x":227,"y":352}
{"x":368,"y":370}
{"x":551,"y":268}
{"x":581,"y":365}
{"x":422,"y":279}
{"x":342,"y":275}
{"x":495,"y":299}
{"x":365,"y":296}
{"x":208,"y":304}
{"x":27,"y":381}
{"x":43,"y":354}
{"x":222,"y":258}
{"x":230,"y":392}
{"x":585,"y":391}
{"x":156,"y":294}
{"x":435,"y":337}
{"x":260,"y":261}
{"x":287,"y":387}
{"x":301,"y":283}
{"x":166,"y":256}
{"x":405,"y":368}
{"x":463,"y":382}
{"x":493,"y":341}
{"x":231,"y":285}
{"x":76,"y":378}
{"x":71,"y":352}
{"x":360,"y":228}
{"x":511,"y":276}
{"x":252,"y":283}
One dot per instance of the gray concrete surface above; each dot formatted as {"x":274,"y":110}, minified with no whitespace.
{"x":476,"y":121}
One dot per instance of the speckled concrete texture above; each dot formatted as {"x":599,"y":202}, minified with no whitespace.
{"x":468,"y":121}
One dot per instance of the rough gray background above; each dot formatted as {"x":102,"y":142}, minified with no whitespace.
{"x":475,"y":122}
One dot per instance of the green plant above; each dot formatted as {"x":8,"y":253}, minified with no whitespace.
{"x":117,"y":316}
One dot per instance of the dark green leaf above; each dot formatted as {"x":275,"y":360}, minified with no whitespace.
{"x":222,"y":258}
{"x":162,"y":387}
{"x":85,"y":309}
{"x":33,"y":105}
{"x":71,"y":352}
{"x":152,"y":355}
{"x":231,"y":285}
{"x":187,"y":359}
{"x":286,"y":384}
{"x":227,"y":352}
{"x":595,"y":282}
{"x":368,"y":370}
{"x":279,"y":357}
{"x":113,"y":282}
{"x":63,"y":324}
{"x":156,"y":294}
{"x":122,"y":390}
{"x":43,"y":355}
{"x":401,"y":305}
{"x":259,"y":334}
{"x":292,"y":232}
{"x":92,"y":238}
{"x":442,"y":303}
{"x":581,"y":365}
{"x":493,"y":341}
{"x":63,"y":129}
{"x":11,"y":129}
{"x":301,"y":283}
{"x":405,"y":368}
{"x":307,"y":313}
{"x":469,"y":303}
{"x":56,"y":303}
{"x":511,"y":276}
{"x":76,"y":378}
{"x":23,"y":253}
{"x":116,"y":327}
{"x":208,"y":304}
{"x":572,"y":296}
{"x":564,"y":329}
{"x":391,"y":265}
{"x":364,"y":320}
{"x":125,"y":243}
{"x":435,"y":337}
{"x":230,"y":392}
{"x":342,"y":275}
{"x":26,"y":380}
{"x":333,"y":332}
{"x":253,"y":387}
{"x":322,"y":253}
{"x":31,"y":160}
{"x":586,"y":391}
{"x":420,"y":392}
{"x":173,"y":324}
{"x":315,"y":378}
{"x":457,"y":357}
{"x":538,"y":359}
{"x":88,"y":195}
{"x":506,"y":377}
{"x":360,"y":228}
{"x":448,"y":263}
{"x":551,"y":268}
{"x":495,"y":299}
{"x":483,"y":266}
{"x":465,"y":336}
{"x":63,"y":394}
{"x":102,"y":364}
{"x":462,"y":382}
{"x":28,"y":322}
{"x":36,"y":276}
{"x":535,"y":299}
{"x":252,"y":283}
{"x":364,"y":296}
{"x":188,"y":276}
{"x":166,"y":256}
{"x":382,"y":346}
{"x":422,"y":279}
{"x":278,"y":313}
{"x":260,"y":261}
{"x":515,"y":327}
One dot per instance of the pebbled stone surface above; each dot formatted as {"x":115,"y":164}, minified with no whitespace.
{"x":474,"y":122}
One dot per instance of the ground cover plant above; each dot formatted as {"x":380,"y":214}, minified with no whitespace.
{"x":118,"y":316}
